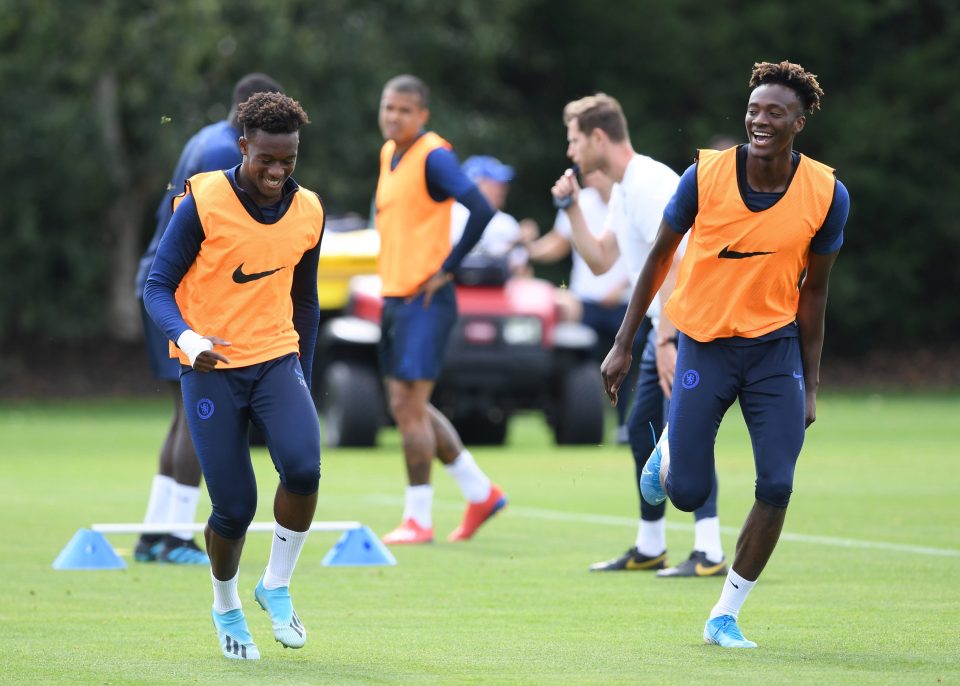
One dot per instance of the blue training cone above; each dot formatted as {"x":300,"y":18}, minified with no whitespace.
{"x":88,"y":550}
{"x":358,"y":547}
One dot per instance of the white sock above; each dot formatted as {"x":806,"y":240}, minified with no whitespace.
{"x":706,"y":538}
{"x":652,"y":537}
{"x":419,"y":505}
{"x":183,"y":507}
{"x":735,"y":592}
{"x":225,"y":596}
{"x":473,"y":482}
{"x":158,"y":506}
{"x":284,"y":552}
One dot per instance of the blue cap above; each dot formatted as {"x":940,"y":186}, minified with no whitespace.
{"x":487,"y":167}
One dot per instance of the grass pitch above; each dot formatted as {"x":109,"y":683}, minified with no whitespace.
{"x":864,"y":587}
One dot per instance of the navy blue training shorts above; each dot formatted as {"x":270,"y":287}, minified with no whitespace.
{"x":414,"y":340}
{"x":219,"y":406}
{"x":767,"y":378}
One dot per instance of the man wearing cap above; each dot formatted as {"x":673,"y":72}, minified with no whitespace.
{"x":501,"y":238}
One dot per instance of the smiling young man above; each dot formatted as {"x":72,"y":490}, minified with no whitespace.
{"x":234,"y":283}
{"x":420,"y":178}
{"x":764,"y":219}
{"x":598,"y":139}
{"x":175,"y":491}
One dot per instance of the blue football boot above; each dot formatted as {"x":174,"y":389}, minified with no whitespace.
{"x":650,"y":487}
{"x":724,"y":632}
{"x":233,"y":636}
{"x":287,"y":628}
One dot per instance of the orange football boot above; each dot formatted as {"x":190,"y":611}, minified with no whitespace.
{"x":478,"y":513}
{"x":409,"y":533}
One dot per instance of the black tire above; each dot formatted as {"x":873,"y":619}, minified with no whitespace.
{"x":353,"y":405}
{"x":482,"y":429}
{"x":579,"y":416}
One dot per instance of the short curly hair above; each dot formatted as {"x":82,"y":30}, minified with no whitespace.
{"x":272,"y":113}
{"x":791,"y":75}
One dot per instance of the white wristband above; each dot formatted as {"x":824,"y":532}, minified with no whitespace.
{"x":192,"y":344}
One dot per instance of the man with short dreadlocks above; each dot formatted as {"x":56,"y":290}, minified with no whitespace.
{"x":762,"y":219}
{"x":234,"y":284}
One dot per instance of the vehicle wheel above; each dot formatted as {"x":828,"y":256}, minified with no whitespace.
{"x":482,"y":429}
{"x":352,"y":405}
{"x":579,"y":417}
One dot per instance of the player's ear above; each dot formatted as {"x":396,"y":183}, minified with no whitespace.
{"x":799,"y":124}
{"x":243,"y":145}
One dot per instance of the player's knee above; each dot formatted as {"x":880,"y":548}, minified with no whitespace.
{"x":231,"y":519}
{"x":775,"y":492}
{"x":688,"y":496}
{"x":302,"y":478}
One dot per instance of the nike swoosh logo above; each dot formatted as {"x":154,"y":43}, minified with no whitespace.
{"x":240,"y":277}
{"x":280,"y":537}
{"x":728,"y":254}
{"x":709,"y":570}
{"x":734,"y":585}
{"x":633,"y":564}
{"x":797,"y":376}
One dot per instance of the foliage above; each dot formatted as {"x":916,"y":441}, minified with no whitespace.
{"x":81,"y":169}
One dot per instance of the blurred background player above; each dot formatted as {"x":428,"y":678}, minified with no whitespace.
{"x":236,"y":273}
{"x":597,"y":300}
{"x":598,"y":138}
{"x":501,"y":237}
{"x":176,"y":486}
{"x":420,"y":178}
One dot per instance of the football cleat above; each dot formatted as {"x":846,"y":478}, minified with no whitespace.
{"x":632,"y":560}
{"x":408,"y":533}
{"x":148,"y":548}
{"x":177,"y":551}
{"x":696,"y":565}
{"x":287,"y":628}
{"x":650,"y":487}
{"x":477,"y":513}
{"x":235,"y":640}
{"x":724,"y":632}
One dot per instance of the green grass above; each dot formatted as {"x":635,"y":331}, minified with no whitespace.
{"x":863,"y":589}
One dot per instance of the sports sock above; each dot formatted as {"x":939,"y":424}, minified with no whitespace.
{"x":183,"y":507}
{"x":225,"y":596}
{"x":652,"y":537}
{"x":419,"y":505}
{"x":471,"y":479}
{"x":735,"y":592}
{"x":158,"y":506}
{"x":284,"y":552}
{"x":706,"y":538}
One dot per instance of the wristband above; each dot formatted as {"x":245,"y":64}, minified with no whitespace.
{"x":192,"y":344}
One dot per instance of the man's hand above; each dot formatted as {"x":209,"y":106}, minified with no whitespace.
{"x":666,"y":365}
{"x":614,"y":369}
{"x":432,"y":285}
{"x":811,"y":407}
{"x":208,"y":359}
{"x":567,"y":186}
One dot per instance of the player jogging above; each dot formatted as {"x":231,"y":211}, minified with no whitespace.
{"x":764,"y":219}
{"x":234,"y":283}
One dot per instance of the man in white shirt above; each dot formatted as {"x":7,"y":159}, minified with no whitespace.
{"x":501,"y":238}
{"x":598,"y":138}
{"x":597,"y":300}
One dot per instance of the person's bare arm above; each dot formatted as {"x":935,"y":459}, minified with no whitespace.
{"x":811,"y":312}
{"x":600,"y":251}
